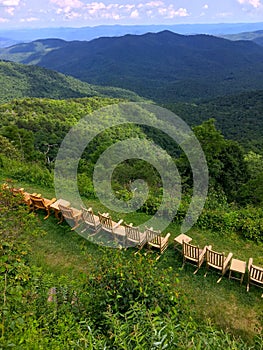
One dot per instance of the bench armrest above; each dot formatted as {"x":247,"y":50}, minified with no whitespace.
{"x":229,"y":257}
{"x":250,"y":263}
{"x":166,"y":238}
{"x":118,"y":224}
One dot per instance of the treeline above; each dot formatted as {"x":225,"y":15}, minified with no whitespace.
{"x":239,"y":116}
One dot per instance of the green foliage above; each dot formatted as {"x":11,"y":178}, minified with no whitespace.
{"x":85,"y":186}
{"x":30,"y":172}
{"x":19,"y":81}
{"x":43,"y":123}
{"x":8,"y":149}
{"x":238,"y":116}
{"x":225,"y":161}
{"x":122,"y":303}
{"x":252,"y":191}
{"x":16,"y":228}
{"x":23,"y":141}
{"x":247,"y":222}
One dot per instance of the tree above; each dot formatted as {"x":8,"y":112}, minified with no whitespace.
{"x":225,"y":160}
{"x":252,"y":191}
{"x":22,"y":139}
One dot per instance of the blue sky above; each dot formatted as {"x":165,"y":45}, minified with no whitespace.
{"x":78,"y":13}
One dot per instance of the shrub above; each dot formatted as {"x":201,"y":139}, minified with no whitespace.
{"x":29,"y":172}
{"x":247,"y":222}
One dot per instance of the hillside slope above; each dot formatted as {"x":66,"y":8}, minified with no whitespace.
{"x":18,"y":80}
{"x":30,"y":52}
{"x":163,"y":66}
{"x":239,"y":116}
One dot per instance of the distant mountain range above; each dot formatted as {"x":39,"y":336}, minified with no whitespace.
{"x":256,"y":36}
{"x":89,"y":33}
{"x":18,"y":81}
{"x":5,"y":42}
{"x":164,"y":66}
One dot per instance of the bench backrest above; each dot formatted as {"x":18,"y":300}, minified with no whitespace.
{"x":153,"y":236}
{"x":214,"y":258}
{"x":88,"y":216}
{"x":191,"y":251}
{"x":66,"y":212}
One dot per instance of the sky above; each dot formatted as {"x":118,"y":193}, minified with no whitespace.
{"x":79,"y":13}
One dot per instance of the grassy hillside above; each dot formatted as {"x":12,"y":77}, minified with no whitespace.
{"x":121,"y":297}
{"x":18,"y":80}
{"x":165,"y":66}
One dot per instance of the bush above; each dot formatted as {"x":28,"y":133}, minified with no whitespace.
{"x":247,"y":222}
{"x":29,"y":172}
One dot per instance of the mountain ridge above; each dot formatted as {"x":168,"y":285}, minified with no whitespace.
{"x":89,"y":33}
{"x":161,"y":66}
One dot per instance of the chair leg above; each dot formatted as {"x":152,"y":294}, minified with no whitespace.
{"x":207,"y":267}
{"x":85,"y":228}
{"x":74,"y":227}
{"x":223,"y":273}
{"x":196,"y":270}
{"x":219,"y":279}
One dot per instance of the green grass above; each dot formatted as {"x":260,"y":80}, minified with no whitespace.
{"x":227,"y":304}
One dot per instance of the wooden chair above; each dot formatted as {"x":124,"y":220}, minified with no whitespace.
{"x":25,"y":196}
{"x":70,"y":214}
{"x":194,"y":255}
{"x":90,"y":220}
{"x":155,"y":240}
{"x":218,"y":261}
{"x":134,"y":236}
{"x":111,"y":226}
{"x":38,"y":202}
{"x":255,"y":275}
{"x":17,"y":191}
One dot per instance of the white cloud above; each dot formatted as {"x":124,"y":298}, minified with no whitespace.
{"x":135,"y":14}
{"x":68,"y":3}
{"x":110,"y":15}
{"x":73,"y":15}
{"x":154,"y":4}
{"x":3,"y":20}
{"x":9,"y":2}
{"x":181,"y":12}
{"x":254,"y":3}
{"x":170,"y":12}
{"x":29,"y":19}
{"x":224,"y":14}
{"x":10,"y":10}
{"x":111,"y":11}
{"x":95,"y":7}
{"x":128,"y":7}
{"x":149,"y":13}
